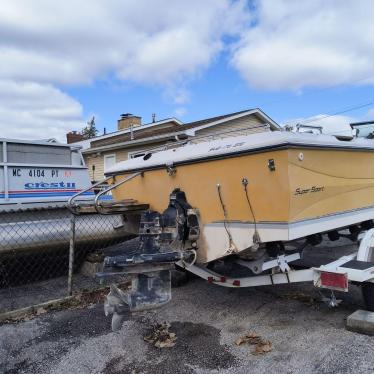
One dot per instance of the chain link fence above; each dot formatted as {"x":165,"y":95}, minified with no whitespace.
{"x":46,"y":254}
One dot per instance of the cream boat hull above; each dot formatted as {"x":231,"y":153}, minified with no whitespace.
{"x":313,"y":187}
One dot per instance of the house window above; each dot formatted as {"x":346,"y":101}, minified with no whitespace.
{"x":109,"y":161}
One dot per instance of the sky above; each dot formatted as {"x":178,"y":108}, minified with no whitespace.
{"x":299,"y":61}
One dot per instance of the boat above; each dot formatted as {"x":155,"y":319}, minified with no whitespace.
{"x":268,"y":187}
{"x":37,"y":178}
{"x":256,"y":200}
{"x":41,"y":173}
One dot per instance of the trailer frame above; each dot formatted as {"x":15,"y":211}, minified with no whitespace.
{"x":356,"y":268}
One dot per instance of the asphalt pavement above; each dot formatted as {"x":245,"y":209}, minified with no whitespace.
{"x":306,"y":336}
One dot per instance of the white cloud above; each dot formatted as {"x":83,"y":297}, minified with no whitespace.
{"x":370,"y":114}
{"x":137,"y":40}
{"x":281,"y":44}
{"x":37,"y":111}
{"x":181,"y":96}
{"x":294,"y":44}
{"x":180,"y":112}
{"x":45,"y":44}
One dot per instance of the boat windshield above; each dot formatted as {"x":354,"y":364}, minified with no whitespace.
{"x":364,"y":130}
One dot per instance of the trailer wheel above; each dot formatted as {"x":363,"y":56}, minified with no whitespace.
{"x":368,"y":295}
{"x":179,"y":277}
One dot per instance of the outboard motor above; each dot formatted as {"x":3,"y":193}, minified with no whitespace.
{"x":164,"y":239}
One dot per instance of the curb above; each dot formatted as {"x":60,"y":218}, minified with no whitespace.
{"x":23,"y":312}
{"x":361,"y":321}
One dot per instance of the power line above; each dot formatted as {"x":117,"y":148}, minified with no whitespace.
{"x":345,"y":110}
{"x":341,"y":112}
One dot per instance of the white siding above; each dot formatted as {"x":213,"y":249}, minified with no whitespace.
{"x":241,"y":126}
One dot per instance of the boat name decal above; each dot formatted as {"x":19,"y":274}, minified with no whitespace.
{"x":303,"y":191}
{"x":46,"y":186}
{"x":227,"y":146}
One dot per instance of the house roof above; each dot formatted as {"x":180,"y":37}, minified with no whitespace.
{"x":151,"y":133}
{"x":212,"y":119}
{"x":228,"y":117}
{"x":85,"y":144}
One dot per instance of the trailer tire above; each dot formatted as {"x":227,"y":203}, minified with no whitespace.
{"x":368,"y":295}
{"x":179,"y":277}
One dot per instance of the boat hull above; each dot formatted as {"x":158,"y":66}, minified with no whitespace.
{"x":293,"y":191}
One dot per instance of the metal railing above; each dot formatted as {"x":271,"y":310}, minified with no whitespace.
{"x":98,"y":205}
{"x":71,"y":202}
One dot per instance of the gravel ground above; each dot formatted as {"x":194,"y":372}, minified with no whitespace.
{"x":307,"y":337}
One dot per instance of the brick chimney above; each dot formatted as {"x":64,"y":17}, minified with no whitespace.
{"x":127,"y":120}
{"x":73,"y":137}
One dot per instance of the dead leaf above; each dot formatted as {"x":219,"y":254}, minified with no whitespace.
{"x":251,"y":338}
{"x":149,"y":339}
{"x":240,"y":341}
{"x":168,"y":343}
{"x":40,"y":311}
{"x":160,"y":336}
{"x":262,"y":347}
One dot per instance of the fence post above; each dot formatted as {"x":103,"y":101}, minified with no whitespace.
{"x":71,"y":254}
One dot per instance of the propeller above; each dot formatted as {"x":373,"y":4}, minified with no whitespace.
{"x":116,"y":303}
{"x":117,"y":321}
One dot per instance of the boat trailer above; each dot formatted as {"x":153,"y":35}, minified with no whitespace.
{"x":151,"y":288}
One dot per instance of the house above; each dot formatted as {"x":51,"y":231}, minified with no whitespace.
{"x":133,"y":139}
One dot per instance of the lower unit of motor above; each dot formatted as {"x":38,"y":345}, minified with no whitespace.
{"x":164,"y":239}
